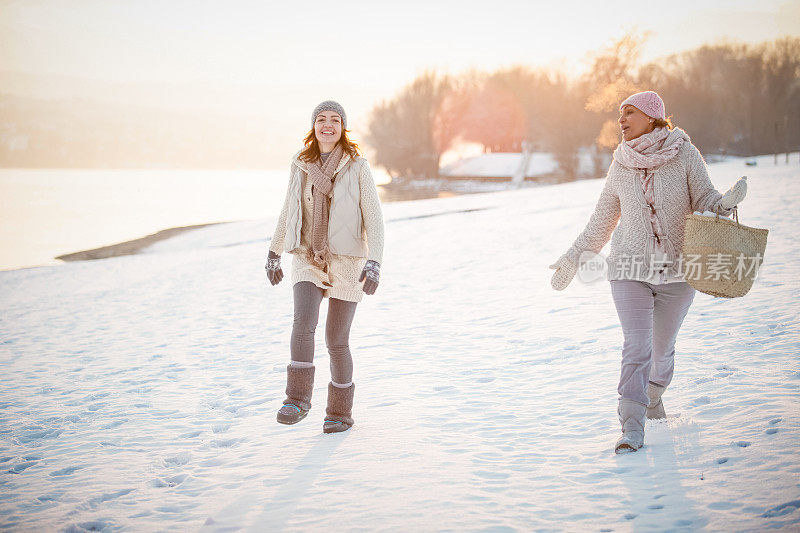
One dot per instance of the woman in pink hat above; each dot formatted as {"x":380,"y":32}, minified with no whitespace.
{"x":656,"y":178}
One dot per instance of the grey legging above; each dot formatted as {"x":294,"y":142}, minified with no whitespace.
{"x":307,"y":298}
{"x":651,"y":316}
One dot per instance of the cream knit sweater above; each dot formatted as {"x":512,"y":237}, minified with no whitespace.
{"x":344,"y":270}
{"x":681,"y":186}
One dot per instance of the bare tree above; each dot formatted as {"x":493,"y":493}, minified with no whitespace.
{"x":402,"y":130}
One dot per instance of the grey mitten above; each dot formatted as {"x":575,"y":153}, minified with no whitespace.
{"x":735,"y":194}
{"x":371,"y":275}
{"x":273,"y":268}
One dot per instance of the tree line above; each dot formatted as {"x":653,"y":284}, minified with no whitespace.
{"x":731,"y":98}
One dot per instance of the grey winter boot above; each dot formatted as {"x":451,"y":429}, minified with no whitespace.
{"x":632,"y":418}
{"x":339,"y":414}
{"x":299,"y":386}
{"x":655,"y":409}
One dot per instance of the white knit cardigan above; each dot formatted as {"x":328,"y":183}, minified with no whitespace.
{"x":681,"y":186}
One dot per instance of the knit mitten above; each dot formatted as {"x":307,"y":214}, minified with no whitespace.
{"x":339,"y":414}
{"x":299,"y":386}
{"x":735,"y":194}
{"x":655,"y":409}
{"x":371,"y":276}
{"x":565,"y":269}
{"x":273,"y":268}
{"x":632,"y":418}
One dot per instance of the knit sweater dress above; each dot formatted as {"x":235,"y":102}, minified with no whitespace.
{"x":679,"y":187}
{"x":344,"y":270}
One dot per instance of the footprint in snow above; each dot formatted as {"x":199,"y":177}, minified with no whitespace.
{"x":655,"y":507}
{"x":742,"y":443}
{"x":176,"y":460}
{"x":65,"y":471}
{"x":94,"y":525}
{"x":225,"y":443}
{"x":771,"y":431}
{"x":629,"y":516}
{"x":722,"y":460}
{"x":724,"y":371}
{"x":21,"y":467}
{"x":168,"y":482}
{"x":114,"y":424}
{"x":702,"y":400}
{"x":782,"y":509}
{"x":488,"y":474}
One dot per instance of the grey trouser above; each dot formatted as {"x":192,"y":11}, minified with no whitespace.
{"x":307,"y":298}
{"x":651,"y":316}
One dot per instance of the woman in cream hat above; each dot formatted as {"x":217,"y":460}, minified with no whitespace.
{"x":332,"y":225}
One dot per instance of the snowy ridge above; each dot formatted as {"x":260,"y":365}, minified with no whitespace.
{"x":506,"y":165}
{"x":139,"y":392}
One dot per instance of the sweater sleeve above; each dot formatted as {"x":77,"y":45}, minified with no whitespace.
{"x":279,"y":236}
{"x":703,"y":195}
{"x":601,"y":224}
{"x":371,"y":213}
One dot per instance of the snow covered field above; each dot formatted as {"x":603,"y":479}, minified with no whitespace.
{"x":139,"y":392}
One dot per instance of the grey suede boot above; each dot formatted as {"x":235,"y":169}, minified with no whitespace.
{"x":655,"y":409}
{"x":632,"y":418}
{"x":339,"y":414}
{"x":299,"y":386}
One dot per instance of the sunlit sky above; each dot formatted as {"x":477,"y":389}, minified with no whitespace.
{"x":282,"y":58}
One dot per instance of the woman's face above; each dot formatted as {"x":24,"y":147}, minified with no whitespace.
{"x":328,"y":129}
{"x":634,"y":122}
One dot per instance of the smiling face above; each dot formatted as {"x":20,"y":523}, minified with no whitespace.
{"x":634,"y":123}
{"x":328,"y":130}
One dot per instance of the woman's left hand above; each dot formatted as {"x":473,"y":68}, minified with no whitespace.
{"x":371,"y":275}
{"x":735,"y":194}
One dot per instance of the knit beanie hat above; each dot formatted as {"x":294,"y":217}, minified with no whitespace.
{"x":648,"y":103}
{"x":329,"y":105}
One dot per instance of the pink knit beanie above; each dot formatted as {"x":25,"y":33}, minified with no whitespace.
{"x":648,"y":103}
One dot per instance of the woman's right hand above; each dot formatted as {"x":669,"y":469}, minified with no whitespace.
{"x":565,"y":270}
{"x":735,"y":194}
{"x":273,"y":268}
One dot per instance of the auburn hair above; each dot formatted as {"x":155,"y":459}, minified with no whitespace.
{"x":663,"y":123}
{"x":312,"y":152}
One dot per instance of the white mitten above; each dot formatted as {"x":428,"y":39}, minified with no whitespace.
{"x":565,"y":269}
{"x":735,"y":194}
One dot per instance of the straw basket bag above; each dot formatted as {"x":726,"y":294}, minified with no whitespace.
{"x":720,"y":256}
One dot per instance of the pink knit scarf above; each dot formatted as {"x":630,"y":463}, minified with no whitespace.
{"x":649,"y":150}
{"x":644,"y":154}
{"x":322,"y":176}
